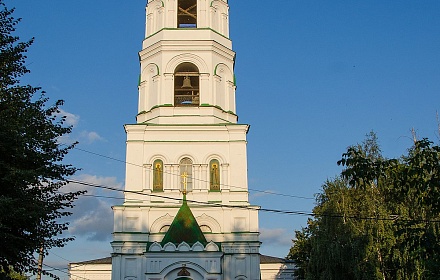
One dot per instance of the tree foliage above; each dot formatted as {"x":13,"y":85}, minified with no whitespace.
{"x":380,"y":219}
{"x":31,"y":168}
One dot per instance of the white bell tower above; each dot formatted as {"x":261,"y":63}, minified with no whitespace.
{"x":186,"y":137}
{"x":187,"y":64}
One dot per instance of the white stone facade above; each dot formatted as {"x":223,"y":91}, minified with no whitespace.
{"x":186,"y":137}
{"x":272,"y":269}
{"x":196,"y":123}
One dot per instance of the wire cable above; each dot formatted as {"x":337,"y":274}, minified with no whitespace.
{"x":193,"y":178}
{"x":261,"y":209}
{"x":65,"y":272}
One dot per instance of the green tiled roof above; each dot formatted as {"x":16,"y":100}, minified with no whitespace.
{"x":184,"y":228}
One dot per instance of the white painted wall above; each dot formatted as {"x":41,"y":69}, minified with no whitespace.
{"x":202,"y":133}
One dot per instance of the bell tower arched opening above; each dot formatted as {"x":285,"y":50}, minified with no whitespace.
{"x":187,"y":14}
{"x":186,"y":85}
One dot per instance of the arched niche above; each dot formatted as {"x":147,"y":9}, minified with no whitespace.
{"x":158,"y":171}
{"x":212,"y":247}
{"x":148,"y":87}
{"x":149,"y":71}
{"x":224,"y":87}
{"x":169,"y":247}
{"x":210,"y":222}
{"x":198,"y":247}
{"x":155,"y":247}
{"x":214,"y":175}
{"x":223,"y":71}
{"x":186,"y":174}
{"x":160,"y":222}
{"x":183,"y":247}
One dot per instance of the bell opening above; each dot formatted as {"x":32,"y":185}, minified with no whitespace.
{"x":186,"y":85}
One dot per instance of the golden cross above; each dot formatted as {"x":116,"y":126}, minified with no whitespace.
{"x":184,"y":181}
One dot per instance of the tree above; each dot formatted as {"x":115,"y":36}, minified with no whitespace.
{"x":31,"y":168}
{"x":378,"y":220}
{"x":12,"y":275}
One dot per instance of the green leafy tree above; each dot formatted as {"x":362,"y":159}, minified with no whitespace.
{"x":410,"y":187}
{"x":12,"y":275}
{"x":378,"y":220}
{"x":31,"y":168}
{"x":301,"y":251}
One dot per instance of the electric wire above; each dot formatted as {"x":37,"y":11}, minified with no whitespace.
{"x":261,"y":209}
{"x":62,"y":270}
{"x":65,"y":272}
{"x":193,"y":178}
{"x":52,"y":253}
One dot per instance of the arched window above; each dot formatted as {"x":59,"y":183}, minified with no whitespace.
{"x":214,"y":175}
{"x":186,"y":85}
{"x":164,"y":228}
{"x":187,"y":14}
{"x":158,"y":175}
{"x":205,"y":228}
{"x":186,"y":174}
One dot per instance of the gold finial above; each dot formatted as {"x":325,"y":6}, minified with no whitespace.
{"x":185,"y":182}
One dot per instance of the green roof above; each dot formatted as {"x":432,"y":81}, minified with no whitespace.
{"x":184,"y":228}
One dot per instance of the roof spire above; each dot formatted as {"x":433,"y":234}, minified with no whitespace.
{"x":184,"y":227}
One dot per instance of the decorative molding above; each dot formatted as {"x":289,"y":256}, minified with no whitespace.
{"x":186,"y":57}
{"x":210,"y":222}
{"x":184,"y":247}
{"x":165,"y":220}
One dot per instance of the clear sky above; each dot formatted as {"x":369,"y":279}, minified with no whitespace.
{"x":314,"y":76}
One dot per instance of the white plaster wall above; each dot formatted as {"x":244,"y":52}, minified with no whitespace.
{"x":202,"y":133}
{"x":78,"y":271}
{"x":163,"y":52}
{"x":213,"y":14}
{"x":269,"y":271}
{"x":226,"y":224}
{"x":277,"y":271}
{"x":200,"y":143}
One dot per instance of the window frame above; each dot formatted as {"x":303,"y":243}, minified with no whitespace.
{"x":158,"y":176}
{"x":214,"y":186}
{"x":188,"y":168}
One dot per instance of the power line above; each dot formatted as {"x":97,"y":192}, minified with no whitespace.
{"x":65,"y":272}
{"x":59,"y":256}
{"x":193,"y":178}
{"x":277,"y":211}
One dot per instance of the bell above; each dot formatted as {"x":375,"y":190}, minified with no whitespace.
{"x":186,"y":82}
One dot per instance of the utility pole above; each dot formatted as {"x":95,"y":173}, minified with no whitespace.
{"x":40,"y":263}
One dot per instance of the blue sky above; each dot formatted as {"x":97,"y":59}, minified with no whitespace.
{"x":313,"y":78}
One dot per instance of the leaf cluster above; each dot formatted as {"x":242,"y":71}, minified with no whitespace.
{"x":31,"y":168}
{"x":379,"y":219}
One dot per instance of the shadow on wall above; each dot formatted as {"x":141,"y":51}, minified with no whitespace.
{"x":273,"y":268}
{"x":286,"y":272}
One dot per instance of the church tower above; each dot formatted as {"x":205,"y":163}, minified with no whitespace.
{"x":186,"y":212}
